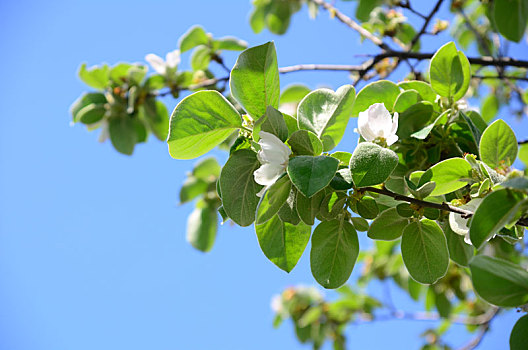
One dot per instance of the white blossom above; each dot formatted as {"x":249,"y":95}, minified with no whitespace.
{"x":273,"y":157}
{"x":458,"y":224}
{"x":172,"y":59}
{"x":377,"y":123}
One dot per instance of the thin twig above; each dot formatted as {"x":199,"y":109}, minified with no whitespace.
{"x":352,"y":24}
{"x":482,"y":319}
{"x":522,"y":142}
{"x":483,"y":331}
{"x":203,"y":84}
{"x":440,"y":206}
{"x":503,"y":77}
{"x":426,"y":23}
{"x":407,"y":5}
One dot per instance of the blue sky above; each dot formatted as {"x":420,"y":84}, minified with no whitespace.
{"x":92,"y":243}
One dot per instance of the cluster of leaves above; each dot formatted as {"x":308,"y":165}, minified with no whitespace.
{"x":126,"y":105}
{"x":444,"y":154}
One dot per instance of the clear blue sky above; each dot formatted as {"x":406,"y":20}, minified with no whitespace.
{"x":92,"y":243}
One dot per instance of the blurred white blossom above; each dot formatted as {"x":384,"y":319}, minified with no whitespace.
{"x":377,"y":123}
{"x":458,"y":224}
{"x":172,"y":60}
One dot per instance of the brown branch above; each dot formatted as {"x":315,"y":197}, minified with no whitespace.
{"x":426,"y":23}
{"x":352,"y":24}
{"x":203,"y":84}
{"x":440,"y":206}
{"x":473,"y":343}
{"x":407,"y":5}
{"x":500,"y":77}
{"x":482,"y":319}
{"x":522,"y":142}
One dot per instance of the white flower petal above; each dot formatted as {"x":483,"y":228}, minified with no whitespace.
{"x":273,"y":150}
{"x":391,"y":139}
{"x":380,"y":120}
{"x":173,"y":59}
{"x":289,"y":108}
{"x":457,"y":223}
{"x":394,"y":124}
{"x":156,"y":63}
{"x":268,"y":173}
{"x":363,"y":126}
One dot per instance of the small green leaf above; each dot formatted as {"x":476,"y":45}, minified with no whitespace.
{"x":200,"y":58}
{"x":272,"y":122}
{"x":417,"y":121}
{"x":238,"y":187}
{"x":424,"y":89}
{"x":308,"y":208}
{"x":85,"y":100}
{"x":294,"y":93}
{"x":207,"y":169}
{"x":278,"y":17}
{"x":490,"y":107}
{"x":498,"y":281}
{"x":288,"y":212}
{"x":388,"y":226}
{"x":157,"y":117}
{"x":510,"y":18}
{"x":305,"y":143}
{"x":519,"y":334}
{"x":195,"y":36}
{"x":90,"y":114}
{"x":282,"y":242}
{"x":360,"y":224}
{"x":367,"y":208}
{"x":273,"y":200}
{"x":192,"y":188}
{"x":123,"y":134}
{"x":335,"y":248}
{"x":371,"y":164}
{"x":199,"y":123}
{"x":312,"y":174}
{"x":326,"y":113}
{"x":382,"y":91}
{"x":229,"y":43}
{"x":450,"y":72}
{"x":97,"y":77}
{"x":449,"y":175}
{"x":498,"y":145}
{"x":495,"y":211}
{"x":424,"y":251}
{"x":254,"y":80}
{"x":201,"y":227}
{"x":405,"y":100}
{"x":342,"y":180}
{"x":459,"y":251}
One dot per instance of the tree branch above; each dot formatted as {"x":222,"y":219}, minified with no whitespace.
{"x":440,"y":206}
{"x":483,"y":331}
{"x":352,"y":24}
{"x":426,"y":23}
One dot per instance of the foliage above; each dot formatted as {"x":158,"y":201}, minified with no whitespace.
{"x":431,"y":182}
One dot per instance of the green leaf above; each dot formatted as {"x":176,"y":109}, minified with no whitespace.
{"x":510,"y":18}
{"x":405,"y":100}
{"x":238,"y":187}
{"x":335,"y":248}
{"x":157,"y":117}
{"x":360,"y":224}
{"x":495,"y":211}
{"x":305,"y":143}
{"x":97,"y":77}
{"x":200,"y":58}
{"x":342,"y":180}
{"x":257,"y":19}
{"x":199,"y":123}
{"x":449,"y":175}
{"x":85,"y":100}
{"x":273,"y":200}
{"x":288,"y":212}
{"x":519,"y":334}
{"x":371,"y":164}
{"x":367,"y":208}
{"x":490,"y":107}
{"x":278,"y":17}
{"x":523,"y":154}
{"x":272,"y":122}
{"x":201,"y":227}
{"x":388,"y":226}
{"x":424,"y":89}
{"x":498,"y":145}
{"x":207,"y":169}
{"x":192,"y":188}
{"x":123,"y":134}
{"x":308,"y":208}
{"x":254,"y":80}
{"x":424,"y":251}
{"x":498,"y":281}
{"x":229,"y":43}
{"x":311,"y":174}
{"x":377,"y":92}
{"x":365,"y":7}
{"x":91,"y":114}
{"x":413,"y":121}
{"x":450,"y":72}
{"x":282,"y":242}
{"x":195,"y":36}
{"x":294,"y":93}
{"x":326,"y":113}
{"x":459,"y":251}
